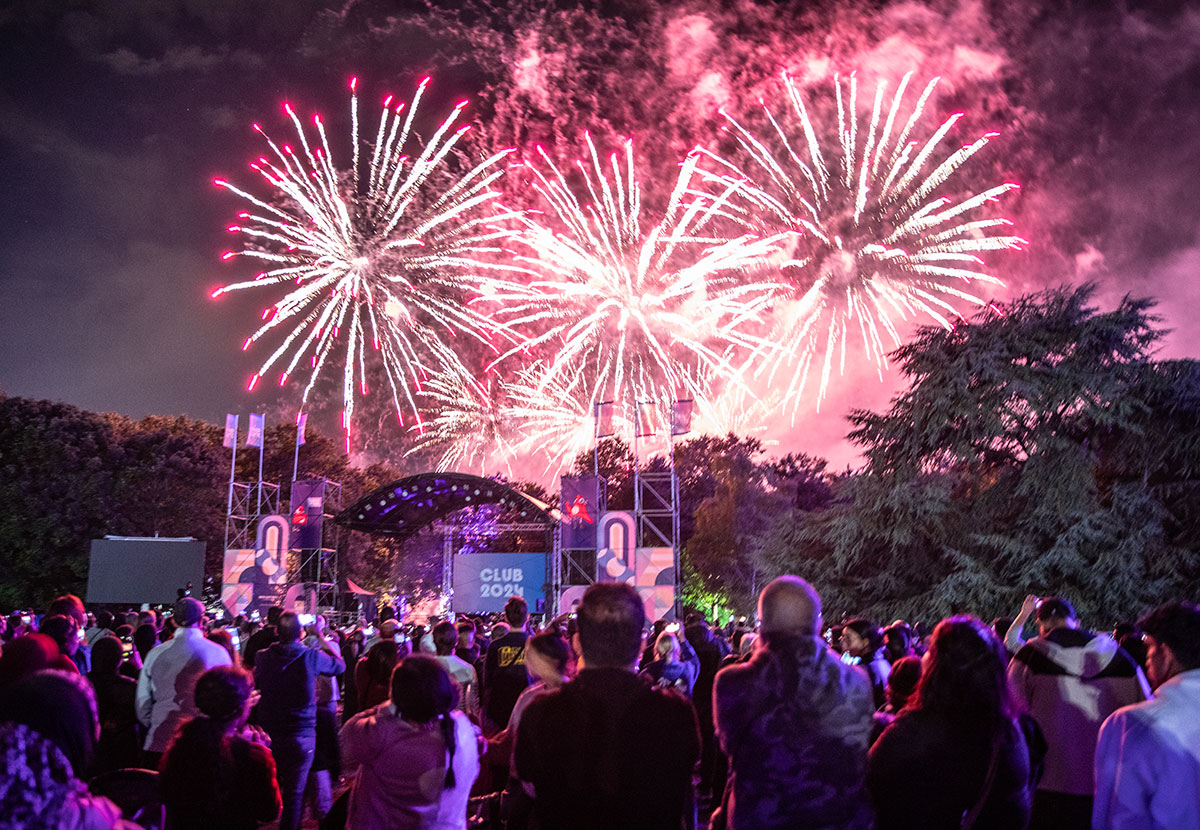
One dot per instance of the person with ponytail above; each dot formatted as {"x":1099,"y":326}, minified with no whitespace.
{"x":417,"y":755}
{"x":219,"y":772}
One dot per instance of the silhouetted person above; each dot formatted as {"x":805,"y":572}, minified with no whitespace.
{"x":286,"y":676}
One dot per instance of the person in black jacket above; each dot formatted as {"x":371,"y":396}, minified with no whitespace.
{"x":958,"y":755}
{"x":606,"y":750}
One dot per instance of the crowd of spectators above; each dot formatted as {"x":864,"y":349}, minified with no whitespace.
{"x":598,"y":720}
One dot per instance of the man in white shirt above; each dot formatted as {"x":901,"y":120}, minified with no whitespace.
{"x":1148,"y":754}
{"x":166,"y":688}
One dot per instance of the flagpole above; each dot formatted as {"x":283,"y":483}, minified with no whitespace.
{"x":675,"y":514}
{"x":232,"y":475}
{"x":296,"y":457}
{"x":261,"y":443}
{"x":232,"y":472}
{"x":596,"y":439}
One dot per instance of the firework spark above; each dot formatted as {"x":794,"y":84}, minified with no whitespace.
{"x":374,"y":257}
{"x":628,"y":310}
{"x":469,"y":426}
{"x":873,"y":239}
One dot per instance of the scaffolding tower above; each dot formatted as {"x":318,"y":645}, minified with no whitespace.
{"x":249,"y":501}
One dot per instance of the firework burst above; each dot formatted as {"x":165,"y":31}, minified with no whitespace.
{"x":373,"y":258}
{"x":469,"y":426}
{"x":622,"y":309}
{"x":874,"y":241}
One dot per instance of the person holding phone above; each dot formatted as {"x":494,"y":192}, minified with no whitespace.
{"x":286,"y":677}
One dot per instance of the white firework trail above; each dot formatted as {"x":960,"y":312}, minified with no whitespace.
{"x":875,"y":240}
{"x":469,"y":425}
{"x":375,"y":258}
{"x":625,"y":309}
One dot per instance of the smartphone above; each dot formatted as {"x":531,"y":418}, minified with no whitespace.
{"x":308,"y":619}
{"x":236,"y":636}
{"x":672,"y":627}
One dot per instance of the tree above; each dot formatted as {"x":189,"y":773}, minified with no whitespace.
{"x":1014,"y":462}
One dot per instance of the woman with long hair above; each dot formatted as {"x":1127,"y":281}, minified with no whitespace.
{"x":218,"y":772}
{"x":417,"y":754}
{"x":958,"y":755}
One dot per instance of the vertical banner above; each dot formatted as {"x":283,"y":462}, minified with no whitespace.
{"x":604,"y":419}
{"x":301,"y":423}
{"x":231,"y":430}
{"x":580,"y":508}
{"x":647,"y":418}
{"x":681,"y":417}
{"x":254,"y":437}
{"x":308,"y":511}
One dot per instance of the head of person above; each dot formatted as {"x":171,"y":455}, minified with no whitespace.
{"x":289,"y":627}
{"x":746,"y":644}
{"x":516,"y":612}
{"x":789,"y":607}
{"x":611,"y":618}
{"x":224,"y":639}
{"x":188,"y":612}
{"x":147,"y":618}
{"x":1055,"y":612}
{"x":223,"y":696}
{"x":388,"y":629}
{"x":500,"y":629}
{"x":144,"y":639}
{"x":898,"y":640}
{"x":445,"y":638}
{"x":964,"y":674}
{"x":1001,"y":625}
{"x":25,"y":656}
{"x":861,"y":637}
{"x":423,"y":692}
{"x":1172,"y":634}
{"x":902,"y":681}
{"x":107,"y":654}
{"x":466,"y":634}
{"x":547,"y":657}
{"x":63,"y":631}
{"x":273,"y":615}
{"x":59,"y":706}
{"x":381,"y":659}
{"x":69,"y":605}
{"x":104,"y":619}
{"x":666,"y":647}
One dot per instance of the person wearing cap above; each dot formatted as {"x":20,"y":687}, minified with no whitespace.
{"x":1070,"y":680}
{"x":166,"y":688}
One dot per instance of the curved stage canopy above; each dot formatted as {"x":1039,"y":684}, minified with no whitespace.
{"x":405,"y":506}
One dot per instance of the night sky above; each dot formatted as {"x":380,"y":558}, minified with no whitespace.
{"x":115,"y":116}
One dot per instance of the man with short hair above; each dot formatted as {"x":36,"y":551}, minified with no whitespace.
{"x":606,"y":750}
{"x":285,"y":674}
{"x":1148,"y":755}
{"x":504,"y":675}
{"x":1070,"y":680}
{"x":167,"y":685}
{"x":795,"y":722}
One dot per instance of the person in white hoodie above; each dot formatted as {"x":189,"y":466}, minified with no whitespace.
{"x":1148,"y":757}
{"x":1071,"y":680}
